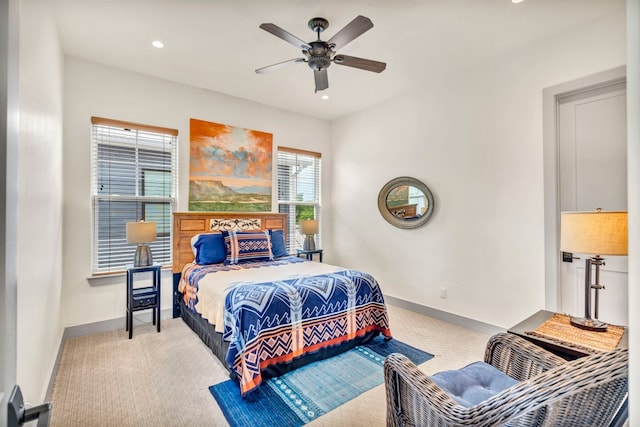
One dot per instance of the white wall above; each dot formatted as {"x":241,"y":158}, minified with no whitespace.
{"x":475,"y":138}
{"x":95,"y":90}
{"x":39,"y":230}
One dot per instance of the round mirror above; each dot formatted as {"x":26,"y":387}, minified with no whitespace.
{"x":406,"y":202}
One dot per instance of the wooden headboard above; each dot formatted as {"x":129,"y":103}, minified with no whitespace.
{"x":188,"y":224}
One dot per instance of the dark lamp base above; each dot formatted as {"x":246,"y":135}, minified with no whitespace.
{"x":309,"y":244}
{"x":589,"y":324}
{"x":143,"y":256}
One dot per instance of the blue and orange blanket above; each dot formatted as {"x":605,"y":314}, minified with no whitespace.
{"x":276,"y":322}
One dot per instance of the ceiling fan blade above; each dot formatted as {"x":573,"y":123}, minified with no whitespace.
{"x":322,"y":79}
{"x":361,"y":63}
{"x":285,"y":35}
{"x":274,"y":67}
{"x":352,"y":30}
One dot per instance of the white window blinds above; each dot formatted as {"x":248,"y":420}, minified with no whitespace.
{"x":134,"y":177}
{"x":299,"y":195}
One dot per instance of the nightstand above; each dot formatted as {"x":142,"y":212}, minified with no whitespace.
{"x":309,"y":254}
{"x":564,"y":349}
{"x":567,"y":349}
{"x":146,"y":298}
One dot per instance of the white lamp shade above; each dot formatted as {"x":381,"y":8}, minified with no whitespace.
{"x":309,"y":226}
{"x":595,"y":232}
{"x":141,"y":232}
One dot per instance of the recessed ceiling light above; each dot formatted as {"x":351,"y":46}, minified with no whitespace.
{"x":157,"y":43}
{"x":517,"y":1}
{"x":325,"y":97}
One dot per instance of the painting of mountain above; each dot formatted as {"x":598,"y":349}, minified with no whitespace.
{"x":229,"y":168}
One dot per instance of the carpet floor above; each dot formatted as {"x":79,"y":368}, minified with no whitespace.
{"x":162,"y":379}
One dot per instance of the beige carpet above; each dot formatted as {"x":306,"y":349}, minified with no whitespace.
{"x":162,"y":379}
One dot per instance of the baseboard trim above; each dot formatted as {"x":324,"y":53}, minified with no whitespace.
{"x":54,"y":371}
{"x":95,"y":328}
{"x":465,"y":322}
{"x":111,"y":325}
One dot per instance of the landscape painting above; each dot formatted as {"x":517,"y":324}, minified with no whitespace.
{"x":229,"y":169}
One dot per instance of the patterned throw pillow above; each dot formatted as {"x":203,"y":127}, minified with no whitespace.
{"x":247,"y":246}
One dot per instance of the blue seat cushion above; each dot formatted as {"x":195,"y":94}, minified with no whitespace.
{"x":474,"y":383}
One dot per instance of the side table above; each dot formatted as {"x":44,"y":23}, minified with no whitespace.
{"x":309,"y":254}
{"x":143,"y":298}
{"x":566,"y":352}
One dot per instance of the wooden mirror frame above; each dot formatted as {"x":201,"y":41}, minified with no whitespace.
{"x":400,"y":222}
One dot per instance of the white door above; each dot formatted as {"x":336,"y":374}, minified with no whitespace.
{"x":593,"y":174}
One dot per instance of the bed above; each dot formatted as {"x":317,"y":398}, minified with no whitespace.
{"x":261,"y":311}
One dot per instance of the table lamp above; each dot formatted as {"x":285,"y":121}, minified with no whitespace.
{"x":595,"y":233}
{"x":309,"y":227}
{"x":142,"y":233}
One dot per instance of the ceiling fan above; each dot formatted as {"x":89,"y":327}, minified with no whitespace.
{"x":319,"y":54}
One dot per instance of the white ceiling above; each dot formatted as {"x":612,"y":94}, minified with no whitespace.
{"x":217,"y":45}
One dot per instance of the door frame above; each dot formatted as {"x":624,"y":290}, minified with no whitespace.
{"x":550,"y":100}
{"x":9,"y":105}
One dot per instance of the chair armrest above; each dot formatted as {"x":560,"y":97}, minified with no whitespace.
{"x":519,"y":358}
{"x":584,"y":392}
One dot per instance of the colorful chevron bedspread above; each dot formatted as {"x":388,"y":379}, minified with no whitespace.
{"x":277,"y":322}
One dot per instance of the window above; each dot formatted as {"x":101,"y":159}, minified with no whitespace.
{"x":299,"y":191}
{"x":134,"y":177}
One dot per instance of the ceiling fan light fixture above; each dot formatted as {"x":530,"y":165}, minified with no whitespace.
{"x":319,"y":53}
{"x":317,"y":62}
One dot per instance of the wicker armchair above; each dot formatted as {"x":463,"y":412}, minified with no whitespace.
{"x":551,"y":391}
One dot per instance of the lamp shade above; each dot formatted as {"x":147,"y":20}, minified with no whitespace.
{"x":141,"y":232}
{"x":309,"y":226}
{"x":595,"y":232}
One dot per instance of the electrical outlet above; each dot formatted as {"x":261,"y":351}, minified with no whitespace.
{"x":443,"y":292}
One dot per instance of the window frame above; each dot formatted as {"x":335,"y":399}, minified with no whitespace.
{"x":147,"y":143}
{"x":288,"y":193}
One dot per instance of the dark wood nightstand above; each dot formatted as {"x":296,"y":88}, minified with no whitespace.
{"x":146,"y":298}
{"x":309,"y":254}
{"x":564,"y":351}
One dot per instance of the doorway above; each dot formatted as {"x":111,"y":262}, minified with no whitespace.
{"x":585,"y":169}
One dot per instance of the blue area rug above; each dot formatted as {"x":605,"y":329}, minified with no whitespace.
{"x":306,"y":393}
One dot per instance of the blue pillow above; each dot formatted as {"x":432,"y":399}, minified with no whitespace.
{"x":277,"y":243}
{"x":209,"y":248}
{"x":474,"y":383}
{"x":247,"y":246}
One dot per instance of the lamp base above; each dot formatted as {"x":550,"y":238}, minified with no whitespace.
{"x":143,"y":256}
{"x":309,"y":244}
{"x":589,"y":324}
